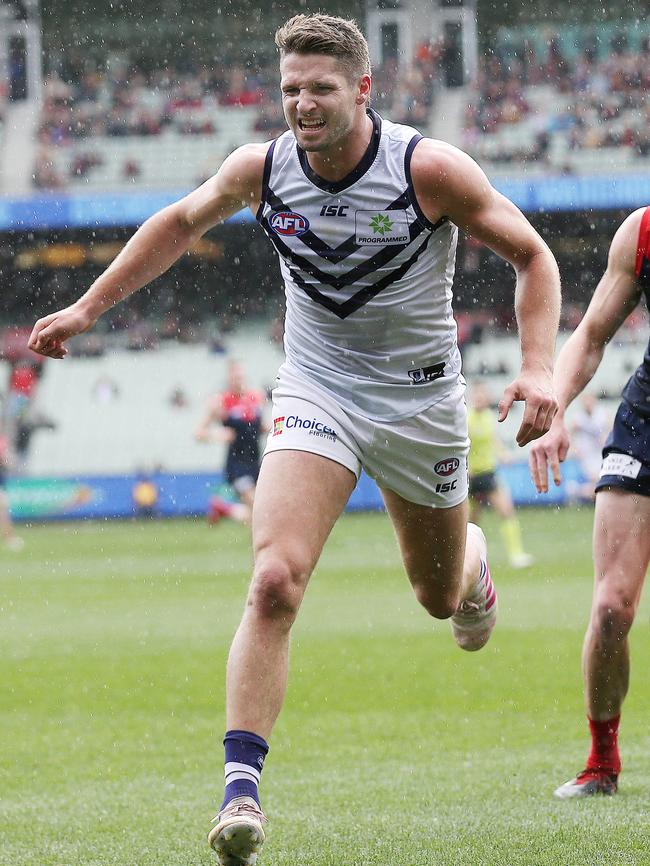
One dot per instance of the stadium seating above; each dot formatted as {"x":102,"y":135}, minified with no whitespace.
{"x":118,"y":126}
{"x":168,"y":159}
{"x":573,"y":101}
{"x":130,"y":411}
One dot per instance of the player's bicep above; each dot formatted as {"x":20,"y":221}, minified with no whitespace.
{"x":498,"y":223}
{"x":452,"y":183}
{"x":615,"y":298}
{"x":618,"y":291}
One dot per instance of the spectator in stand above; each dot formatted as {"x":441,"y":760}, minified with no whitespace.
{"x":83,"y":163}
{"x":45,"y":175}
{"x":239,"y":91}
{"x":271,"y":119}
{"x":131,"y":170}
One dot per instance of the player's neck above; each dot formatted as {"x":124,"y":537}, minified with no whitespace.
{"x":337,"y":162}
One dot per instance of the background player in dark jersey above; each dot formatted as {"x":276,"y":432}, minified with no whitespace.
{"x":621,"y":540}
{"x":235,"y":417}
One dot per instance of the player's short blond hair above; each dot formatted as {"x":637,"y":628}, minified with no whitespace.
{"x":326,"y":34}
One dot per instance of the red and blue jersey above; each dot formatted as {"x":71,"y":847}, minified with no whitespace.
{"x":637,"y":391}
{"x":243,"y":414}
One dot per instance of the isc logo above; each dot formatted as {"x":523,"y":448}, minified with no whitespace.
{"x":289,"y":223}
{"x":335,"y":210}
{"x":446,"y":467}
{"x":446,"y":486}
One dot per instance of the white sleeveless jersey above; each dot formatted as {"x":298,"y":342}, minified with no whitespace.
{"x":368,"y":278}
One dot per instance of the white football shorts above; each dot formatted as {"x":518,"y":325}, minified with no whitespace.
{"x":423,"y":459}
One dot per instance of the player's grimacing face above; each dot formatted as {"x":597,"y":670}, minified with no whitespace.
{"x":320,"y":101}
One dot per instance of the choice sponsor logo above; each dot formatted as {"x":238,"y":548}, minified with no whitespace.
{"x":312,"y":426}
{"x":289,"y":222}
{"x":278,"y":425}
{"x":446,"y":467}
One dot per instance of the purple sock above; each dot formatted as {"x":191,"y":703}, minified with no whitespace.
{"x":245,"y":753}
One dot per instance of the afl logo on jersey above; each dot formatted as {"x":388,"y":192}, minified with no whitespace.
{"x":289,"y":223}
{"x":446,"y":467}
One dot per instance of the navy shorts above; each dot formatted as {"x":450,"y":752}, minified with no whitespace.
{"x":626,"y":455}
{"x":241,"y":469}
{"x":482,"y":483}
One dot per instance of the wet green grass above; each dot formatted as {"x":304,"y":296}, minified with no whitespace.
{"x":394,"y":748}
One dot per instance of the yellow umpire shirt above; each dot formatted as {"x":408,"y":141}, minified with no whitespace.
{"x":483,"y":448}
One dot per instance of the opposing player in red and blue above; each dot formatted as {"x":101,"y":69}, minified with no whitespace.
{"x":235,"y":417}
{"x":621,"y":538}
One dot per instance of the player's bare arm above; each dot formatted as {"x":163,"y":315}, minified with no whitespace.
{"x":449,"y":183}
{"x":157,"y":244}
{"x":616,"y":295}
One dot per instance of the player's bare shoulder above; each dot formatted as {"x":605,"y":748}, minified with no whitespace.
{"x":619,"y":289}
{"x":241,"y":173}
{"x":445,"y":177}
{"x":623,"y":249}
{"x":237,"y":184}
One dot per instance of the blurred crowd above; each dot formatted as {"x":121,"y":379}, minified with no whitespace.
{"x":596,"y":99}
{"x":127,"y":98}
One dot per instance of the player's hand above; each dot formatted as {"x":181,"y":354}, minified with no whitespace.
{"x":225,"y":434}
{"x":540,"y":404}
{"x":549,"y":452}
{"x":50,"y":333}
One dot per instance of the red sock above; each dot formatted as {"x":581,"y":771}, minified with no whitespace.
{"x":604,"y":746}
{"x":218,"y":508}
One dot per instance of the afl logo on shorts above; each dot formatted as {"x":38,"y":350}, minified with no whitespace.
{"x":446,"y":467}
{"x":289,"y":223}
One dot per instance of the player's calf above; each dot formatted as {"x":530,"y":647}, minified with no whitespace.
{"x":476,"y":616}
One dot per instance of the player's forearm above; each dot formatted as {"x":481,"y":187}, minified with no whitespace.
{"x":537,"y":307}
{"x":576,"y":364}
{"x":154,"y":248}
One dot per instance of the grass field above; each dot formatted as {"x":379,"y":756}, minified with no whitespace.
{"x":394,"y":747}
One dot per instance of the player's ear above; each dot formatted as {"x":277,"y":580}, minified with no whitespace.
{"x":365,"y":86}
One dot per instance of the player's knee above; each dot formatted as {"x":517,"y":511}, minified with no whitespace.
{"x":437,"y":604}
{"x":276,"y":591}
{"x":613,"y":615}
